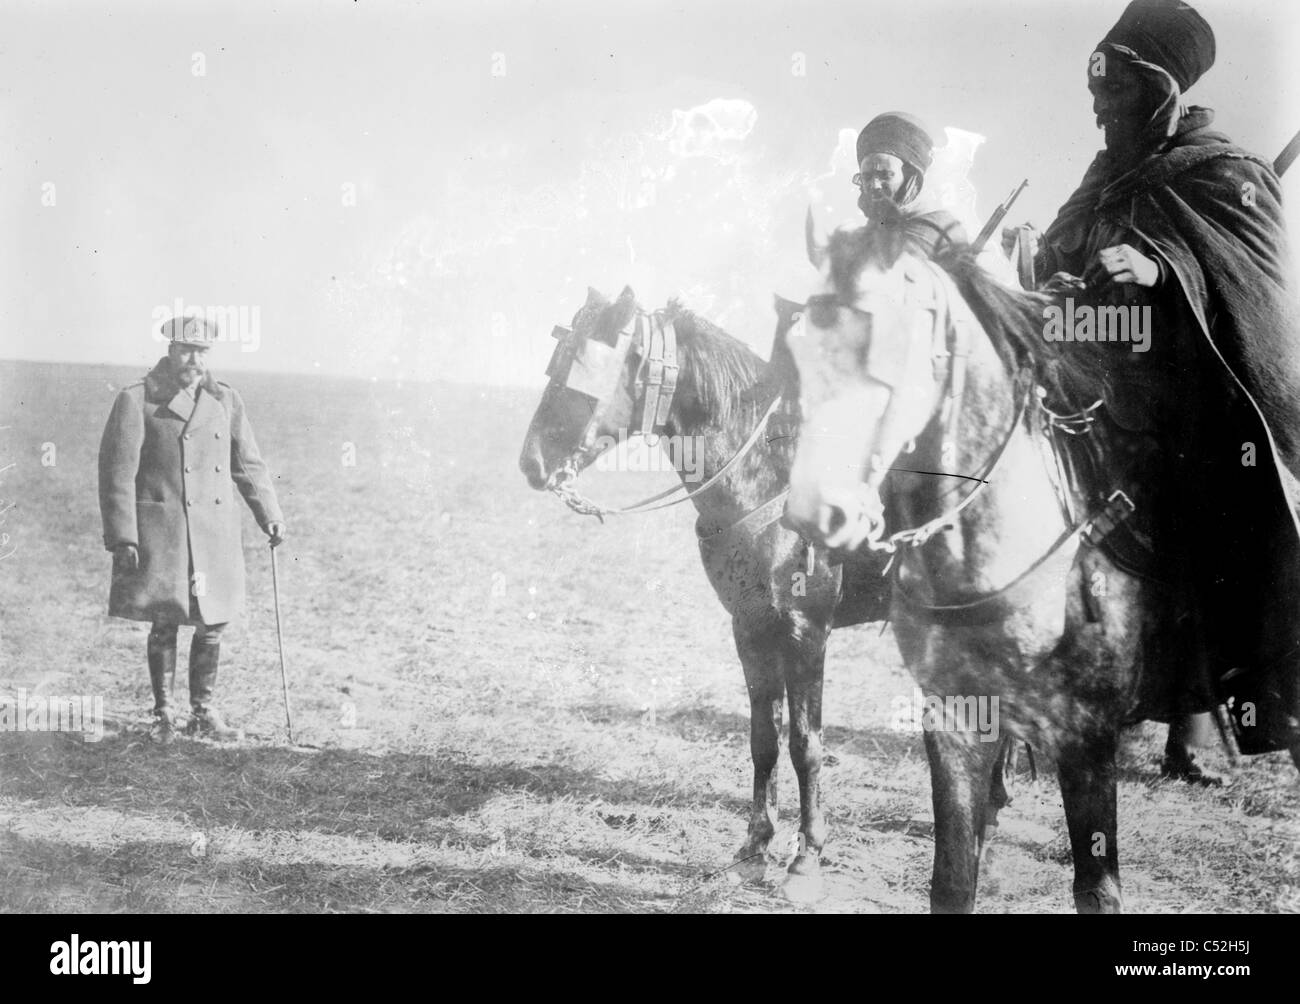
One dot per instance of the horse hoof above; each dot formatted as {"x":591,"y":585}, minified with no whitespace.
{"x":1102,"y":899}
{"x":749,"y":866}
{"x":803,"y":881}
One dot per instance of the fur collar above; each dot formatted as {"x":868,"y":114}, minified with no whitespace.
{"x":160,"y":386}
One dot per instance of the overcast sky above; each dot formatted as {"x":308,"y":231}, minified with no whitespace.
{"x":393,"y":190}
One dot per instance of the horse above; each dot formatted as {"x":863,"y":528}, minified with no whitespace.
{"x":928,"y":396}
{"x":672,"y":374}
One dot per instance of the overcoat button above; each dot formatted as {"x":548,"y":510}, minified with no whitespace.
{"x":218,"y":501}
{"x":190,"y":502}
{"x":188,"y":468}
{"x":218,"y":468}
{"x":187,"y":435}
{"x":217,"y":434}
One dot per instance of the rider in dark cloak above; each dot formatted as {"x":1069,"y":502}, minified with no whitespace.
{"x":1173,"y":216}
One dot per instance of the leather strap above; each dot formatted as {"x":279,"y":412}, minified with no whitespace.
{"x":990,"y":609}
{"x":1025,"y":257}
{"x":1001,"y":603}
{"x":752,"y":523}
{"x":659,"y":369}
{"x":670,"y":369}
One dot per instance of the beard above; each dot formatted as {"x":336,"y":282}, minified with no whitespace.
{"x":878,"y":206}
{"x":1125,"y":140}
{"x":1120,"y":134}
{"x":1130,"y":137}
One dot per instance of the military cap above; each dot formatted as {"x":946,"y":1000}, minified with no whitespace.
{"x":191,"y":330}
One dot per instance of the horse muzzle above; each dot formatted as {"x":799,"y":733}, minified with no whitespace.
{"x":841,"y":519}
{"x":533,"y":465}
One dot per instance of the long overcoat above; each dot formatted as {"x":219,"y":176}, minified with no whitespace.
{"x":167,"y":481}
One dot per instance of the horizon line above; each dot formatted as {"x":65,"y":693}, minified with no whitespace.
{"x":314,"y":372}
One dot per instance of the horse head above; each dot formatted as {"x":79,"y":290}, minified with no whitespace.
{"x":592,"y":393}
{"x":865,"y":351}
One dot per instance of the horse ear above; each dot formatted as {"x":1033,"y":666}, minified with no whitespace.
{"x":816,"y":252}
{"x":627,"y":295}
{"x":785,"y":308}
{"x":594,"y":297}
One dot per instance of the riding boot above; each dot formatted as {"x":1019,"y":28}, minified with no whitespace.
{"x":206,"y":720}
{"x":162,"y":673}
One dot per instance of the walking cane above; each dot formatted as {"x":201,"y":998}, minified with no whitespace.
{"x":279,"y":637}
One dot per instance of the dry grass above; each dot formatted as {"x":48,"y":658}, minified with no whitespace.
{"x":515,"y":709}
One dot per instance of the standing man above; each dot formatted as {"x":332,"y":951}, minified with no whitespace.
{"x":1172,"y":216}
{"x":175,"y":445}
{"x":894,"y":152}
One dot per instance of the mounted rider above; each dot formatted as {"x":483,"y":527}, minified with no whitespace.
{"x":1173,"y":216}
{"x":894,"y":152}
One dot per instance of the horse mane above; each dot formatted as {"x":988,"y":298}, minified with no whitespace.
{"x":720,"y":370}
{"x":1012,"y":319}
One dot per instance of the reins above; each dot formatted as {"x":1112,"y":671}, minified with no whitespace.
{"x":998,"y":604}
{"x":918,"y":535}
{"x":579,"y":503}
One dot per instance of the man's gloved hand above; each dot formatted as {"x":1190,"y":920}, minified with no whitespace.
{"x":276,"y":532}
{"x":126,"y":557}
{"x":1122,"y":265}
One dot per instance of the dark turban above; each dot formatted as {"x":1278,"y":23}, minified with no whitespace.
{"x":900,"y":135}
{"x":1168,"y":33}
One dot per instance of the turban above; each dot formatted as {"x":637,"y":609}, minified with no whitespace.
{"x":900,"y":135}
{"x":1168,"y":33}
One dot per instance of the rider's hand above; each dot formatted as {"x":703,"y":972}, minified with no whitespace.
{"x":276,"y":532}
{"x":1122,"y":264}
{"x":1063,"y":283}
{"x":1026,"y":234}
{"x":126,"y":557}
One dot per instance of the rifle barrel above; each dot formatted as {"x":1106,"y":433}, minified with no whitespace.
{"x":1288,"y":155}
{"x":998,"y":216}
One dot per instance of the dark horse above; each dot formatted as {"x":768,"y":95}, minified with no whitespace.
{"x":923,"y":391}
{"x":783,"y":605}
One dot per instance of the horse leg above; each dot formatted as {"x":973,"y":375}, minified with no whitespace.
{"x":804,"y":667}
{"x":766,"y":693}
{"x":1087,"y":776}
{"x":1004,"y":766}
{"x":960,"y":770}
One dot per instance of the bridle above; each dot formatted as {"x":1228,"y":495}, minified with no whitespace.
{"x":595,"y":369}
{"x":951,"y":352}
